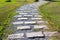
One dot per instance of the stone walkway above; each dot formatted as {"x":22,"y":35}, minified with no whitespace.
{"x":27,"y":22}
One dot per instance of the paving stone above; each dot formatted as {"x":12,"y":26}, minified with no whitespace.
{"x":36,"y":18}
{"x":40,"y":27}
{"x":44,"y":22}
{"x":30,"y":22}
{"x":18,"y":16}
{"x":34,"y":34}
{"x":18,"y":35}
{"x":17,"y":23}
{"x":23,"y":27}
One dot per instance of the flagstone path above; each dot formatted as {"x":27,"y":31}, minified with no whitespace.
{"x":28,"y":21}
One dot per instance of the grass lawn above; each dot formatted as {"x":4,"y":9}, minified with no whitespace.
{"x":7,"y":11}
{"x":51,"y":13}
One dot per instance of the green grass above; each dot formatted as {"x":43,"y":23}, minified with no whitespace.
{"x":7,"y":11}
{"x":51,"y":13}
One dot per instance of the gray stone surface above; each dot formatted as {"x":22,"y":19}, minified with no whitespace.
{"x":30,"y":12}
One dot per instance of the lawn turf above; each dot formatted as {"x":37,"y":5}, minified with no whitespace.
{"x":7,"y":11}
{"x":51,"y":13}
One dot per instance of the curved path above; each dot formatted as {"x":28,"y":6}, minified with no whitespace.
{"x":26,"y":21}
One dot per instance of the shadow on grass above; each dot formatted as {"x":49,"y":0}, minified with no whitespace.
{"x":52,"y":1}
{"x":46,"y":4}
{"x":49,"y":3}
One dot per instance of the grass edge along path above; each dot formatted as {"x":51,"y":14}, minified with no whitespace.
{"x":6,"y":22}
{"x":9,"y":11}
{"x":51,"y":13}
